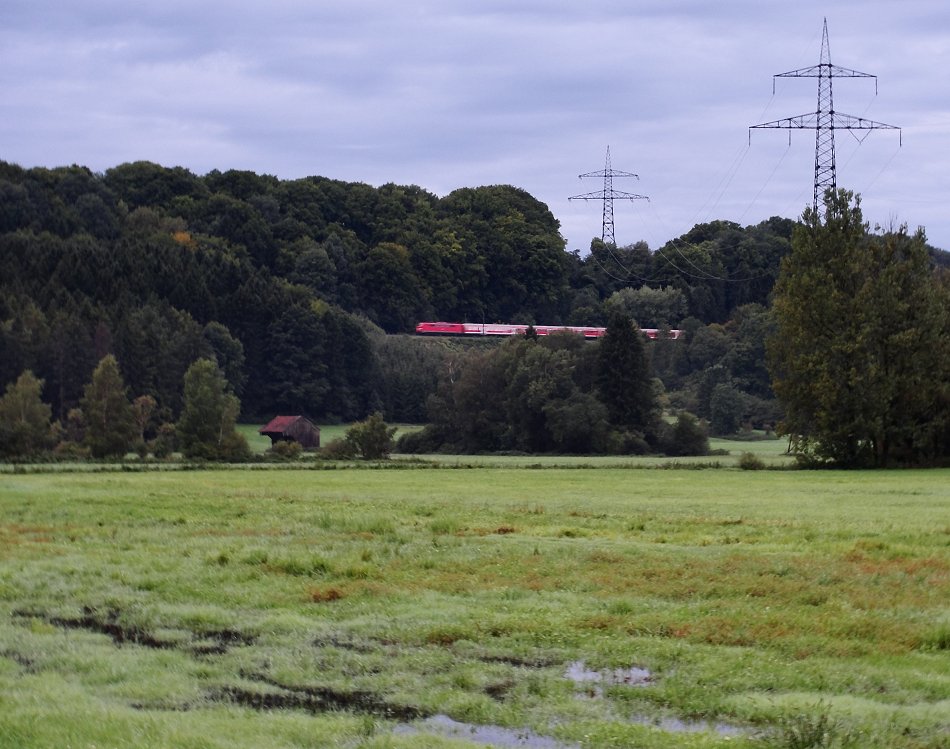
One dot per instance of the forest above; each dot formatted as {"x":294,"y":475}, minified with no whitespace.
{"x":306,"y":292}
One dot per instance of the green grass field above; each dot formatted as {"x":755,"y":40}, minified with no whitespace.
{"x":457,"y":607}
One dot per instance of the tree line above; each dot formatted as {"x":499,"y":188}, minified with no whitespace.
{"x":288,"y":284}
{"x":107,"y":424}
{"x":304,"y":292}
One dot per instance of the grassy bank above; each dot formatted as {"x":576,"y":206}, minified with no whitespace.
{"x":591,"y":608}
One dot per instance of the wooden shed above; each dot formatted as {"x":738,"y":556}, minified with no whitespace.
{"x":292,"y":429}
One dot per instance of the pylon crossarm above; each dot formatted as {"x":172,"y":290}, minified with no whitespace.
{"x":839,"y":122}
{"x":628,"y":196}
{"x":826,"y":70}
{"x":801,"y":122}
{"x":612,"y":173}
{"x":588,"y":196}
{"x":850,"y":122}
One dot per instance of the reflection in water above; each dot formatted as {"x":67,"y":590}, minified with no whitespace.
{"x":593,"y":683}
{"x":633,"y":676}
{"x":491,"y":735}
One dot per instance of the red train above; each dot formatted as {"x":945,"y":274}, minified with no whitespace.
{"x":504,"y":329}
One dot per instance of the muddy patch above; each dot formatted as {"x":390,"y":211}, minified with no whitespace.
{"x":27,"y":664}
{"x":210,"y":642}
{"x":349,"y":644}
{"x":165,"y":707}
{"x":537,"y":661}
{"x":495,"y":736}
{"x":314,"y":699}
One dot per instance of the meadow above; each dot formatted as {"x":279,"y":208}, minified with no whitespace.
{"x":470,"y":606}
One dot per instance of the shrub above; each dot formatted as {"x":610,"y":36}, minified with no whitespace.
{"x":338,"y":449}
{"x":372,"y":438}
{"x":686,"y":437}
{"x":425,"y":440}
{"x":815,"y":729}
{"x":164,"y":443}
{"x":751,"y":462}
{"x":285,"y":450}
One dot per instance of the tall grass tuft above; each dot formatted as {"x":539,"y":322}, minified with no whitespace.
{"x":812,"y":729}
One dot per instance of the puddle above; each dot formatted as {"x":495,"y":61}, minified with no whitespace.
{"x":495,"y":736}
{"x":594,"y":681}
{"x":675,"y":725}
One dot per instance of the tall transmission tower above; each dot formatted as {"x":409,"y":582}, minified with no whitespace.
{"x":826,"y":120}
{"x":608,"y":195}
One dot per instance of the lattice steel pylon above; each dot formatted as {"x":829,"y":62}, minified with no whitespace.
{"x":826,"y":120}
{"x":608,"y":195}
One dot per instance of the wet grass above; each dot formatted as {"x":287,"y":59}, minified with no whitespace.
{"x":572,"y":607}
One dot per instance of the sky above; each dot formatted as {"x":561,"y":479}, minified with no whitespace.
{"x":446,"y":94}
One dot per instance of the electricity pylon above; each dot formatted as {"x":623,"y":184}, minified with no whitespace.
{"x":826,"y":120}
{"x":608,"y":195}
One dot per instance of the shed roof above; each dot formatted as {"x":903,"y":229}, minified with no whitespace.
{"x":281,"y":424}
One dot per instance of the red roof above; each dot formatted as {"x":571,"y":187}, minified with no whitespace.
{"x":279,"y":424}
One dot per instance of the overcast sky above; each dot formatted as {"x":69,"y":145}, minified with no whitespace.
{"x":459,"y":93}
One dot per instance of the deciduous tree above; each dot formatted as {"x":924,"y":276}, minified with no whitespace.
{"x":110,"y":423}
{"x":206,"y":429}
{"x":24,"y":418}
{"x":861,"y":355}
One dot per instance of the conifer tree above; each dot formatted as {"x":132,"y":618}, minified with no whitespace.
{"x":623,"y":376}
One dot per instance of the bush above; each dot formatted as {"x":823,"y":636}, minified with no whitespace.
{"x":424,"y":440}
{"x":686,"y":437}
{"x":751,"y":462}
{"x":338,"y":449}
{"x":371,"y":439}
{"x":285,"y":450}
{"x":233,"y":448}
{"x":624,"y":442}
{"x":164,"y":443}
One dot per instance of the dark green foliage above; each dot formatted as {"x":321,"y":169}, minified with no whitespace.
{"x":145,"y":184}
{"x":160,"y":266}
{"x":624,"y":381}
{"x":526,"y":395}
{"x":408,"y":373}
{"x":861,"y":355}
{"x":650,"y":307}
{"x":228,"y":352}
{"x":578,"y":423}
{"x":392,"y":295}
{"x":727,"y":409}
{"x":686,"y":436}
